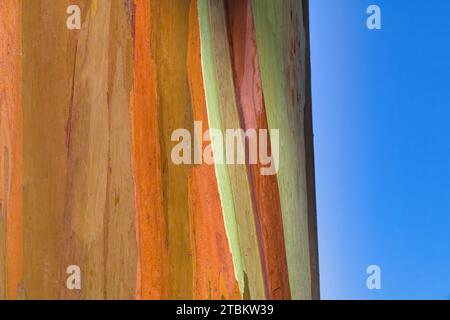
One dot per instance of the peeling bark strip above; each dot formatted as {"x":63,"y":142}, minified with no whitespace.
{"x":264,"y":188}
{"x":281,"y":40}
{"x":87,"y":183}
{"x":234,"y":184}
{"x":11,"y":229}
{"x":210,"y":243}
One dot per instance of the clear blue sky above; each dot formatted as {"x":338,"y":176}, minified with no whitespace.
{"x":381,"y":107}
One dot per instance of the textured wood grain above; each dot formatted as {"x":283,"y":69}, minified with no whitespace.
{"x":79,"y":197}
{"x":168,"y":41}
{"x":100,"y":207}
{"x":47,"y":79}
{"x":99,"y":204}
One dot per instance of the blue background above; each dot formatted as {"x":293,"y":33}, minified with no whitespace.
{"x":381,"y":123}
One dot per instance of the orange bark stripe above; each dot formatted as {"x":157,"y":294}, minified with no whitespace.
{"x":152,"y":276}
{"x":11,"y":233}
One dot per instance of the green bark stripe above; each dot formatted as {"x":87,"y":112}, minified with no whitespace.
{"x":281,"y":49}
{"x":232,"y":179}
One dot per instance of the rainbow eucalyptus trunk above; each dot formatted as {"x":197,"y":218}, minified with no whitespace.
{"x":156,"y":150}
